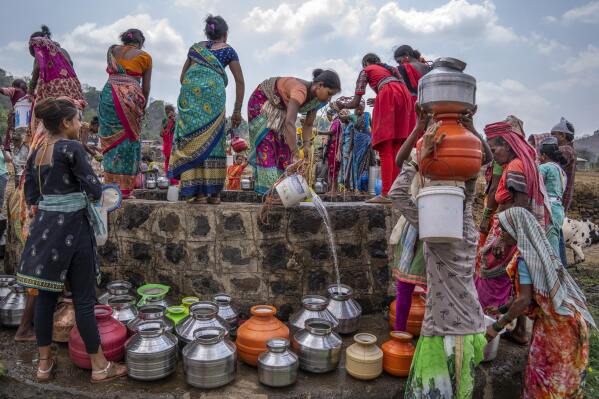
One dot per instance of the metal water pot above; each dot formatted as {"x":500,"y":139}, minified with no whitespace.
{"x":247,"y":184}
{"x":6,"y":280}
{"x":320,"y":187}
{"x":162,"y":183}
{"x":226,"y":312}
{"x":13,"y":306}
{"x":151,"y":353}
{"x":158,"y":301}
{"x":150,"y":184}
{"x":123,"y":308}
{"x":446,"y":88}
{"x":313,"y":307}
{"x":345,"y":309}
{"x":150,"y":313}
{"x":318,"y":347}
{"x":201,"y":314}
{"x":210,"y":361}
{"x":277,"y":367}
{"x":115,"y":288}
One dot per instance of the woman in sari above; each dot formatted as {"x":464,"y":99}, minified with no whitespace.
{"x":393,"y":115}
{"x":559,"y":352}
{"x":199,"y":158}
{"x":520,"y":185}
{"x":356,"y":148}
{"x":122,"y":105}
{"x":168,"y":133}
{"x":411,"y":67}
{"x":334,"y":148}
{"x":272,"y":111}
{"x":554,"y":177}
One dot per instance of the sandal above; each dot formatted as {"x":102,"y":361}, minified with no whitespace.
{"x":111,"y":372}
{"x":379,"y":199}
{"x":48,"y":374}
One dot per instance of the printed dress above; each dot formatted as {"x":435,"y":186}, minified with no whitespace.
{"x":55,"y":237}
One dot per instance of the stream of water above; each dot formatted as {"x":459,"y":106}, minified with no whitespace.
{"x":322,"y":210}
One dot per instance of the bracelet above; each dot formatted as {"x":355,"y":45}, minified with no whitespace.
{"x":503,"y":309}
{"x":496,"y":327}
{"x":487,"y":212}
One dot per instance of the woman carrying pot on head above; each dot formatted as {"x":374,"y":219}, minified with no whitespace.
{"x":393,"y":115}
{"x":559,"y":351}
{"x":452,"y":335}
{"x":122,"y":105}
{"x":59,"y":187}
{"x":272,"y":112}
{"x":411,"y":67}
{"x":521,"y":185}
{"x":199,"y":158}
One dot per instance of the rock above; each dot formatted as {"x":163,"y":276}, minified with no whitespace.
{"x":140,"y":251}
{"x":174,"y":253}
{"x":134,"y":215}
{"x":202,"y":226}
{"x":249,"y":284}
{"x":170,"y":223}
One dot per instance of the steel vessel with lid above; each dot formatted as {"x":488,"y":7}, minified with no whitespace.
{"x":115,"y":288}
{"x":317,"y":346}
{"x":151,"y":353}
{"x":277,"y":367}
{"x":446,"y":88}
{"x":313,"y":307}
{"x":13,"y":306}
{"x":344,"y":308}
{"x":201,"y":314}
{"x":147,"y":313}
{"x":210,"y":361}
{"x":123,"y":308}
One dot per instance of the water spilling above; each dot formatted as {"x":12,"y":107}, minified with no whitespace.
{"x":322,"y":210}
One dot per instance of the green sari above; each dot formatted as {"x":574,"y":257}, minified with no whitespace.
{"x":198,"y":157}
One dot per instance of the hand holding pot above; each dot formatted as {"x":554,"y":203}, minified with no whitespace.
{"x":429,"y":140}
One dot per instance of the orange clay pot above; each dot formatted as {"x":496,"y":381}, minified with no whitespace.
{"x":398,"y":353}
{"x":458,"y":157}
{"x":416,"y":315}
{"x":253,"y":334}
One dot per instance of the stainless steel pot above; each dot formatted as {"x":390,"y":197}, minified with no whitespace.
{"x":151,"y":184}
{"x":210,"y":361}
{"x":151,"y":353}
{"x":162,"y":183}
{"x":115,"y":288}
{"x":277,"y":367}
{"x":313,"y":307}
{"x":150,"y":313}
{"x":320,"y":187}
{"x":158,"y":301}
{"x":247,"y":184}
{"x":226,"y":312}
{"x":6,"y":281}
{"x":201,"y":314}
{"x":123,"y":308}
{"x":446,"y":89}
{"x":317,"y":346}
{"x":344,"y":308}
{"x":13,"y":306}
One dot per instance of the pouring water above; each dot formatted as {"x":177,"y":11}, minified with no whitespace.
{"x":322,"y":210}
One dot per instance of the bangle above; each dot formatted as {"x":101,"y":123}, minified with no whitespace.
{"x":496,"y":327}
{"x":487,"y":212}
{"x":503,"y":309}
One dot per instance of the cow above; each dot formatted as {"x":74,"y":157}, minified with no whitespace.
{"x":578,"y":235}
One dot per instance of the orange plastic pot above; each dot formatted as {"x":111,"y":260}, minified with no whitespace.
{"x":253,"y":334}
{"x":416,"y":315}
{"x":458,"y":157}
{"x":398,"y":353}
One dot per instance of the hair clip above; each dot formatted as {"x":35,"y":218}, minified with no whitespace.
{"x":211,"y":26}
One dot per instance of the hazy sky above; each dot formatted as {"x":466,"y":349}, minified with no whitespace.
{"x":537,"y":59}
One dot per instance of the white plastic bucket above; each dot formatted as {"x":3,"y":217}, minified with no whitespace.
{"x":101,"y":239}
{"x":441,"y":213}
{"x":22,"y":113}
{"x":490,"y":349}
{"x":293,"y":190}
{"x":172,"y":195}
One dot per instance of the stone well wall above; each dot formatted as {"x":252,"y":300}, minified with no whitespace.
{"x":204,"y":249}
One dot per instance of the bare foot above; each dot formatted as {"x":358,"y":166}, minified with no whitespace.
{"x":25,"y":336}
{"x":379,"y":199}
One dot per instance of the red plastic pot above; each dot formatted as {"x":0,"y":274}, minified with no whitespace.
{"x":239,"y":145}
{"x":113,"y":335}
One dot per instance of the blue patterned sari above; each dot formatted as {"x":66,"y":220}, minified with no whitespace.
{"x":198,"y":157}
